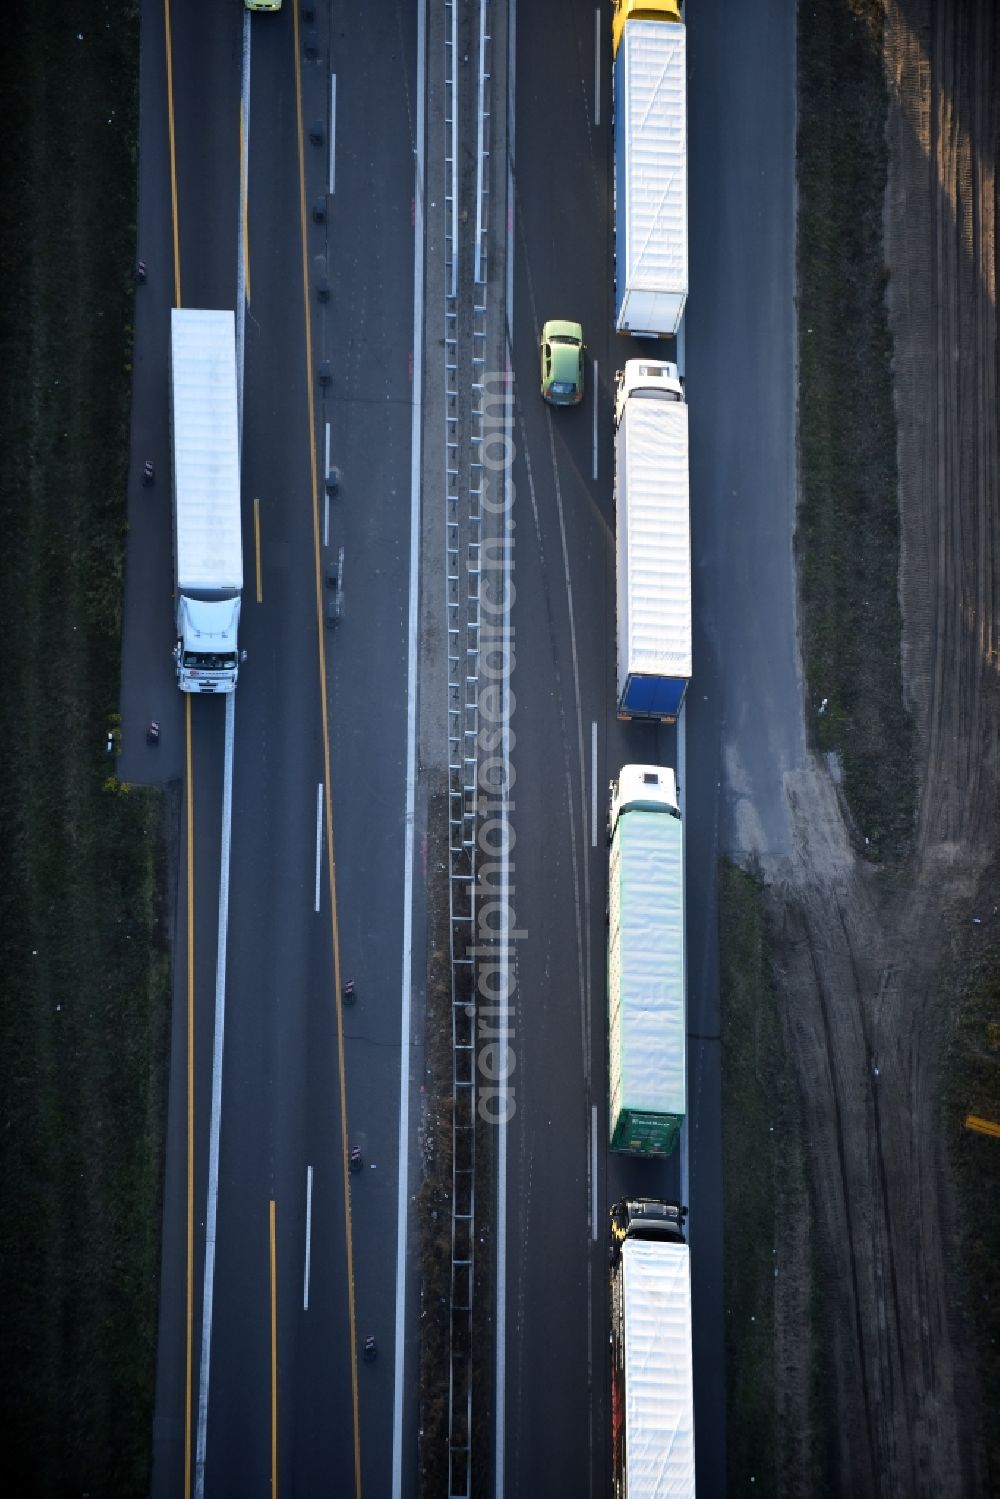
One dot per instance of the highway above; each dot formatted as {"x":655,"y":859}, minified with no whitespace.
{"x":558,"y":1376}
{"x":738,"y":359}
{"x":259,"y":1380}
{"x":303,"y":1263}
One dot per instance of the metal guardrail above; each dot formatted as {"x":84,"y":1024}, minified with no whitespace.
{"x":451,"y":150}
{"x":465,"y":344}
{"x":482,"y":147}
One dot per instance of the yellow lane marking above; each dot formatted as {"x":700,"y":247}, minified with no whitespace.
{"x":274,"y":1358}
{"x":173,"y":155}
{"x":327,"y":778}
{"x":256,"y":543}
{"x":982,"y":1126}
{"x":189,"y":801}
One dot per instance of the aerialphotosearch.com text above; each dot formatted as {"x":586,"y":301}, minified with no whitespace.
{"x":497,"y":931}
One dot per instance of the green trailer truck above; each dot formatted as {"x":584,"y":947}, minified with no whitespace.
{"x":646,"y":971}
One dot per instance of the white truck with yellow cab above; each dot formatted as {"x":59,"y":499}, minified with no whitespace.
{"x":649,"y":75}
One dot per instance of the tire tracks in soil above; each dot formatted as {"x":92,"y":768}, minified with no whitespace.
{"x":860,"y":954}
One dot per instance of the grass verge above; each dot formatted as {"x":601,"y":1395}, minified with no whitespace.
{"x":83,"y":950}
{"x":764,"y":1189}
{"x":434,"y":1196}
{"x":847,"y":538}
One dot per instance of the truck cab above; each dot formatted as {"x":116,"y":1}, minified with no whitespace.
{"x":206,"y":653}
{"x":648,"y":380}
{"x":651,"y":787}
{"x":646,"y":1218}
{"x":640,"y":10}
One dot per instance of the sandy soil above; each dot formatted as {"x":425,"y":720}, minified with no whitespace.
{"x":865,"y":954}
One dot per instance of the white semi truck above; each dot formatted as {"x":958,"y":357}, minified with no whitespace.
{"x":647,"y":1004}
{"x":650,"y":128}
{"x":208,"y":535}
{"x":652,"y":1385}
{"x":652,"y":503}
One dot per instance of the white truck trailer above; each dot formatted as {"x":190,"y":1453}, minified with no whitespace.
{"x":652,"y":1387}
{"x":651,"y":193}
{"x":208,"y":536}
{"x":647,"y":1006}
{"x":652,"y":501}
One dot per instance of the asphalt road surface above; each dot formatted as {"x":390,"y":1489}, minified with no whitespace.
{"x":558,"y":1379}
{"x":744,"y":709}
{"x":281,"y":1105}
{"x":280,"y":1197}
{"x":564,"y":564}
{"x":738,"y":361}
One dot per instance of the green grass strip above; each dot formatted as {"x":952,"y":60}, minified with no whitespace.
{"x":84,"y":993}
{"x":848,"y":524}
{"x":776,"y":1416}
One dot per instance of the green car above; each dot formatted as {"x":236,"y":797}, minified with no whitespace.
{"x":561,"y":347}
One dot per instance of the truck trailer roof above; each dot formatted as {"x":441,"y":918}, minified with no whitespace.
{"x":654,"y":540}
{"x":659,"y":1394}
{"x":646,"y":976}
{"x":651,"y":144}
{"x":207,"y":522}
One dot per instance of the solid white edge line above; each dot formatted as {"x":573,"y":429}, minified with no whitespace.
{"x":211,"y":1211}
{"x":500,"y":1316}
{"x":333,"y":131}
{"x":319,"y":843}
{"x":593,"y":1172}
{"x":309,"y":1222}
{"x":685,"y":1180}
{"x":597,"y":68}
{"x":402,"y":1198}
{"x":682,"y":802}
{"x":241,"y":287}
{"x":593,"y":783}
{"x":501,"y":1311}
{"x":594,"y":474}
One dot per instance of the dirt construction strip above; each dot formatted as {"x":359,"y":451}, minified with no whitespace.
{"x":864,"y":954}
